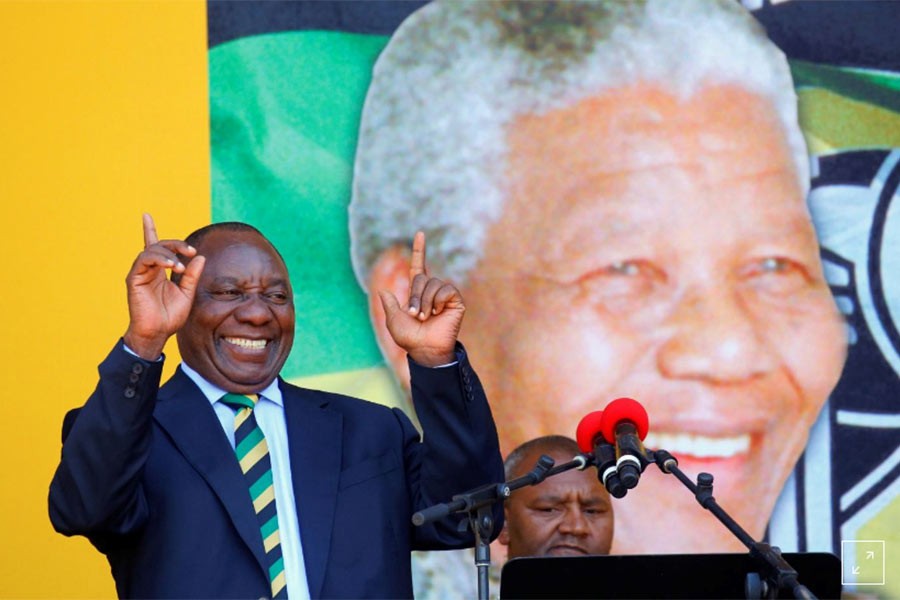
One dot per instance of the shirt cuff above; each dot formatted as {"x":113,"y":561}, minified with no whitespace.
{"x":133,"y":353}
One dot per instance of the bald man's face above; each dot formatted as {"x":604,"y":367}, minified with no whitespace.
{"x":569,"y":514}
{"x":661,"y":249}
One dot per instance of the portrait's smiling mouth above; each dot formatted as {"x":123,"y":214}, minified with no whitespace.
{"x":699,"y":446}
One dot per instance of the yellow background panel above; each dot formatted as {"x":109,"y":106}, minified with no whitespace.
{"x":103,"y":115}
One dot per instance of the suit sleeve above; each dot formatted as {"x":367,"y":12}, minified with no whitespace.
{"x":96,"y":489}
{"x":459,"y":450}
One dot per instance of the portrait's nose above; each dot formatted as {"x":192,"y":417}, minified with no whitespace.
{"x":573,"y":522}
{"x":253,"y":310}
{"x":712,"y":335}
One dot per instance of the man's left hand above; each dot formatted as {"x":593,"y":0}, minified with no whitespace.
{"x":427,"y":325}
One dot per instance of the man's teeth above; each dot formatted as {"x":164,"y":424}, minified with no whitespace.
{"x":699,"y":446}
{"x":245,"y":343}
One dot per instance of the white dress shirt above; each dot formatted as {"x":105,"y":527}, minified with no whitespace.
{"x":269,"y":413}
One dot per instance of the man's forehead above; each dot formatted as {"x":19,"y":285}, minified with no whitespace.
{"x":222,"y":238}
{"x":530,"y":458}
{"x":235,"y":254}
{"x":227,"y":242}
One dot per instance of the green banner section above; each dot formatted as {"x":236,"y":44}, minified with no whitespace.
{"x":284,"y":112}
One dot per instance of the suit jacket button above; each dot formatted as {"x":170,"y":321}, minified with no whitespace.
{"x":134,"y":378}
{"x":129,"y":392}
{"x":137,"y":368}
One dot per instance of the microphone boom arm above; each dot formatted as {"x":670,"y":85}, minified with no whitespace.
{"x":778,"y":573}
{"x":476,"y":503}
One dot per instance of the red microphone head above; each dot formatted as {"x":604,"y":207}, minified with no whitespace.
{"x":588,"y":429}
{"x":624,"y":409}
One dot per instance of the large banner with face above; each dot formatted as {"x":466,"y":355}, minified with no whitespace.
{"x":687,"y":203}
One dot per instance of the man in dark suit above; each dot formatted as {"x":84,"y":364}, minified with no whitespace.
{"x":149,"y":474}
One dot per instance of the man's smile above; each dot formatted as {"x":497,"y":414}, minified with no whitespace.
{"x":247,"y":343}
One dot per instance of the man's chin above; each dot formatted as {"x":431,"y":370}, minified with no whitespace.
{"x":566,"y":551}
{"x":247,"y":380}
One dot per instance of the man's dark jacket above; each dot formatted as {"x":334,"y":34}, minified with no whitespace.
{"x":148,"y":475}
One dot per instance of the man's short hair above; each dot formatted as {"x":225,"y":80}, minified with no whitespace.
{"x":545,"y":444}
{"x":455,"y":74}
{"x":195,"y":238}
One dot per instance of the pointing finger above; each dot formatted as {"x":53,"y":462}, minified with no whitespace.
{"x":150,"y":236}
{"x":417,"y":261}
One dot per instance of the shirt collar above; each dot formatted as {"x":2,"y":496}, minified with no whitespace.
{"x":214,"y":393}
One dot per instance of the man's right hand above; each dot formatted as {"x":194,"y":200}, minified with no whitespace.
{"x":157,"y":307}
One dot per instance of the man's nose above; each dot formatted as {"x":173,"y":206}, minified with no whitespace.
{"x":253,"y":309}
{"x":573,"y":522}
{"x":713,"y":335}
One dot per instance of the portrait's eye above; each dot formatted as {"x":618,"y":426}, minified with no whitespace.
{"x":624,"y":268}
{"x":777,"y":275}
{"x":774,"y":264}
{"x":617,"y":285}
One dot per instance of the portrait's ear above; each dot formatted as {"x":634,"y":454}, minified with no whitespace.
{"x":390,"y":272}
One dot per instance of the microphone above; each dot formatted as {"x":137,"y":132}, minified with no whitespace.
{"x":625,"y":421}
{"x":591,"y":441}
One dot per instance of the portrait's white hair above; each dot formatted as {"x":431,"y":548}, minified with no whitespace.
{"x":431,"y":152}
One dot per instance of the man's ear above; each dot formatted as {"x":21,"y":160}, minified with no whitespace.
{"x":503,"y":538}
{"x":390,"y":272}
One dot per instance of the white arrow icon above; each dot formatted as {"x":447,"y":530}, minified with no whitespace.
{"x":870,"y":554}
{"x":856,"y":570}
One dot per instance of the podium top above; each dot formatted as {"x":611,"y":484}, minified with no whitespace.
{"x":658,"y":576}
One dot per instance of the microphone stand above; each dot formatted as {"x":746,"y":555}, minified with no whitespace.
{"x":777,"y":572}
{"x":477,"y":504}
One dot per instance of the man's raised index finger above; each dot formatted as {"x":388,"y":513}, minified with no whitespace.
{"x":150,"y":236}
{"x":417,"y":262}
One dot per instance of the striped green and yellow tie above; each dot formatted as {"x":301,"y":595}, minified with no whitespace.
{"x":253,"y":455}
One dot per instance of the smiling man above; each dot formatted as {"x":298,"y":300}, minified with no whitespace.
{"x":569,"y":514}
{"x":620,"y":189}
{"x":228,"y":482}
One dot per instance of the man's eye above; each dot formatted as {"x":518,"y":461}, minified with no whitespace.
{"x":226,"y":294}
{"x":277,"y":297}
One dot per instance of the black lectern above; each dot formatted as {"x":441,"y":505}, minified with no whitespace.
{"x":660,"y":576}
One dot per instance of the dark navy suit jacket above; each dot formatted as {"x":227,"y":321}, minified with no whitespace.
{"x":148,"y":475}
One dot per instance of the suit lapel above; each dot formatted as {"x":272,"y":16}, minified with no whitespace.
{"x":314,"y":439}
{"x":189,"y":419}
